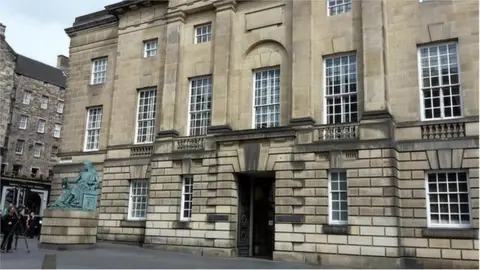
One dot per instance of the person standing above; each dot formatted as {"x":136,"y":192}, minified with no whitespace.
{"x":8,"y":221}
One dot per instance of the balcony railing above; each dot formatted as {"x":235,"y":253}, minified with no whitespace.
{"x":338,"y":132}
{"x":190,"y":143}
{"x":443,"y":131}
{"x":141,"y":151}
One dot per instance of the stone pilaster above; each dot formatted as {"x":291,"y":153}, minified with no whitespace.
{"x":222,"y":64}
{"x":175,"y":24}
{"x":376,"y":117}
{"x":302,"y":63}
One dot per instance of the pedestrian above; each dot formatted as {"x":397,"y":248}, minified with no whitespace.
{"x":8,"y":221}
{"x":30,"y":224}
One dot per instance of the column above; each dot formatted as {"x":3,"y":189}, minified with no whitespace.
{"x":375,"y":84}
{"x":225,"y":10}
{"x":376,"y":120}
{"x":302,"y":63}
{"x":175,"y":24}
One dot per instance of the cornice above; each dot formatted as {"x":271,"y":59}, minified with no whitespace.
{"x":176,"y":16}
{"x":222,"y":5}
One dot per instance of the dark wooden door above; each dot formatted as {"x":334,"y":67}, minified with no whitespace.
{"x":243,"y":230}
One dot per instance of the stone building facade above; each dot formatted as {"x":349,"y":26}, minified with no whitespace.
{"x":32,"y":96}
{"x":320,"y":131}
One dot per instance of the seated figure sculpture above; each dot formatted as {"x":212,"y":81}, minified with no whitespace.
{"x":83,"y":196}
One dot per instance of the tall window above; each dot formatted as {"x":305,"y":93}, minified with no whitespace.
{"x":92,"y":133}
{"x":150,"y":48}
{"x":203,"y":33}
{"x":41,"y":126}
{"x":338,"y":198}
{"x":44,"y":102}
{"x":54,"y":152}
{"x":448,"y":199}
{"x":146,"y":116}
{"x":37,"y":152}
{"x":200,"y":105}
{"x":440,"y":81}
{"x":137,"y":206}
{"x":27,"y":97}
{"x":56,"y":131}
{"x":99,"y":70}
{"x":60,"y":105}
{"x":23,"y":122}
{"x":19,"y":147}
{"x":187,"y":192}
{"x":267,"y":98}
{"x":341,"y":89}
{"x":336,"y":7}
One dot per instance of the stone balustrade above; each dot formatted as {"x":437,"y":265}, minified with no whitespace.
{"x":189,"y":143}
{"x":141,"y":151}
{"x":443,"y":130}
{"x":338,"y":132}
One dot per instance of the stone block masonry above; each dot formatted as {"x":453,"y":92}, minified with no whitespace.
{"x":353,"y":194}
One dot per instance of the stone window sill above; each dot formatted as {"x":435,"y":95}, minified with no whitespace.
{"x":468,"y":233}
{"x":132,"y":223}
{"x":186,"y":225}
{"x":336,"y":229}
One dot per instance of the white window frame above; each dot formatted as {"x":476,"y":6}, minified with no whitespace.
{"x":44,"y":103}
{"x":428,"y":206}
{"x":41,"y":128}
{"x":99,"y":75}
{"x":57,"y":130}
{"x":150,"y":120}
{"x":199,"y":37}
{"x":132,"y":205}
{"x":27,"y":97}
{"x":150,"y":48}
{"x":205,"y":121}
{"x":327,"y":96}
{"x":184,"y":217}
{"x":269,"y":94}
{"x":330,"y":198}
{"x":51,"y":153}
{"x":440,"y":85}
{"x":22,"y":147}
{"x":60,"y":106}
{"x":347,"y":7}
{"x":35,"y":150}
{"x":23,"y":124}
{"x":93,"y":129}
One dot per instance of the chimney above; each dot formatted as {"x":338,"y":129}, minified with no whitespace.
{"x":62,"y":63}
{"x":2,"y":30}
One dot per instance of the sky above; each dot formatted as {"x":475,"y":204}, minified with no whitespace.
{"x":35,"y":28}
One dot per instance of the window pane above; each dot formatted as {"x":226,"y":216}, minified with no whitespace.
{"x":448,"y":198}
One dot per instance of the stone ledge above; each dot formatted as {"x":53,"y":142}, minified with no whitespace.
{"x":212,"y":218}
{"x":297,"y":219}
{"x":219,"y":129}
{"x":132,"y":223}
{"x":335,"y":229}
{"x":450,"y":233}
{"x":61,"y":247}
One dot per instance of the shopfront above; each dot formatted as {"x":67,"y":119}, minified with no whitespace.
{"x":30,"y":193}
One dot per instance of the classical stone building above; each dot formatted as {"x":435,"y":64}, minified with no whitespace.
{"x":31,"y":117}
{"x":334,"y":132}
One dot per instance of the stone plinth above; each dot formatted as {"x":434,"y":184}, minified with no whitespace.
{"x":68,"y":229}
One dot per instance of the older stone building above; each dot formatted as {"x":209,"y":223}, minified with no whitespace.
{"x":335,"y":132}
{"x":32,"y":96}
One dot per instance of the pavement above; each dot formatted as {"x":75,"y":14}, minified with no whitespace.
{"x":108,"y":256}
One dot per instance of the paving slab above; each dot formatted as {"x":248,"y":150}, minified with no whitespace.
{"x":108,"y":255}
